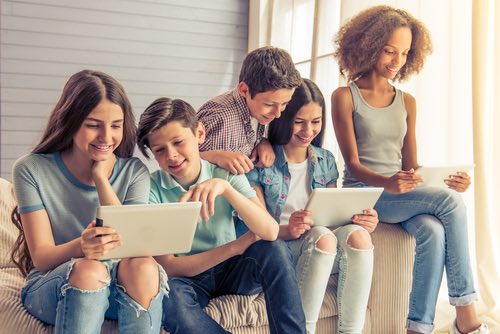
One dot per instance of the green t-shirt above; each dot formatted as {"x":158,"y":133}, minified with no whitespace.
{"x":219,"y":229}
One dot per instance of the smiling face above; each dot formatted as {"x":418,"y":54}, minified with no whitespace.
{"x":306,"y":126}
{"x":394,"y":53}
{"x":266,"y":106}
{"x":175,"y":148}
{"x":100,"y":133}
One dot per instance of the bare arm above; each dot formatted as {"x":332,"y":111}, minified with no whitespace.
{"x":44,"y":253}
{"x":251,"y":211}
{"x":409,"y":151}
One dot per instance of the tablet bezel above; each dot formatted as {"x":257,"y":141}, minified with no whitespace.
{"x":168,"y":227}
{"x":334,"y":207}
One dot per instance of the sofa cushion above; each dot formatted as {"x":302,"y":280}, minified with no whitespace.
{"x":8,"y":231}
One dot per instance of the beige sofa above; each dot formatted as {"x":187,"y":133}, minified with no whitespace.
{"x":386,"y":312}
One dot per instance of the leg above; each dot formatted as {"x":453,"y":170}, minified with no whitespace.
{"x":354,"y":263}
{"x":138,"y":287}
{"x":268,"y":264}
{"x":447,"y":206}
{"x":427,"y":270}
{"x":50,"y":298}
{"x":183,"y":308}
{"x":314,"y":254}
{"x":84,"y":298}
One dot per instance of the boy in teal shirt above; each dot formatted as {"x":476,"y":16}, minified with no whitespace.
{"x":218,"y":263}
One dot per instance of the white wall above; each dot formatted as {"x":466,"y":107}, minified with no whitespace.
{"x":189,"y":49}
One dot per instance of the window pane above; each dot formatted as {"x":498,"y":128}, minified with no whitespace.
{"x":304,"y":69}
{"x":302,"y":29}
{"x":329,"y":18}
{"x":327,"y":79}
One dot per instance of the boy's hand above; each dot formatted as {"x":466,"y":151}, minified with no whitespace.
{"x":97,"y":241}
{"x":367,"y":219}
{"x":206,"y":192}
{"x":403,"y":182}
{"x":458,"y":182}
{"x":300,"y":221}
{"x":263,"y":153}
{"x":235,"y":162}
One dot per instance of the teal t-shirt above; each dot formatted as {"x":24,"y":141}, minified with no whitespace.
{"x":43,"y":182}
{"x":219,"y":229}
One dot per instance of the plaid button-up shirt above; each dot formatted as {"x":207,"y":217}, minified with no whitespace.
{"x":228,"y":125}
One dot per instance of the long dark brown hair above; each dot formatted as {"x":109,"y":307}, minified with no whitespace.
{"x":281,"y":129}
{"x":81,"y":94}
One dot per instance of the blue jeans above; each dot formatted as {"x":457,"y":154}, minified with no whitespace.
{"x":438,"y":220}
{"x":314,"y":267}
{"x":50,"y":298}
{"x":265,"y":265}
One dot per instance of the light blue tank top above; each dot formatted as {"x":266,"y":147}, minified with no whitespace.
{"x":379,"y":134}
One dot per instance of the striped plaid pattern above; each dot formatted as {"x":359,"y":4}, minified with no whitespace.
{"x":228,"y":125}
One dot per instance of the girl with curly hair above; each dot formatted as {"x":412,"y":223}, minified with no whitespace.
{"x":375,"y":127}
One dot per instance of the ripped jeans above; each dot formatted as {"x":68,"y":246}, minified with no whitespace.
{"x":50,"y":298}
{"x":314,"y":267}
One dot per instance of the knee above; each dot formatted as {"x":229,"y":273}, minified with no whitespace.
{"x":326,"y":242}
{"x":430,"y":230}
{"x":88,"y":275}
{"x":360,"y":239}
{"x":136,"y":270}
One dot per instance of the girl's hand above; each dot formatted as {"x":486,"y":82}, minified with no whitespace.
{"x":367,"y":219}
{"x":300,"y":221}
{"x":403,"y":182}
{"x":101,"y":169}
{"x":263,"y":153}
{"x":97,"y":241}
{"x":206,"y":192}
{"x":245,"y":241}
{"x":459,"y":182}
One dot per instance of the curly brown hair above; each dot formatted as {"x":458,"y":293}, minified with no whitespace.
{"x":360,"y":41}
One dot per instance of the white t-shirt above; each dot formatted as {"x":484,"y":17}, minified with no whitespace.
{"x":299,"y":190}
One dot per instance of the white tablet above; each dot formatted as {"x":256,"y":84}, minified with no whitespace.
{"x":151,"y":229}
{"x":435,"y":175}
{"x":333,"y":207}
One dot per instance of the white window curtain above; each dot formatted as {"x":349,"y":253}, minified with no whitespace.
{"x":455,"y":96}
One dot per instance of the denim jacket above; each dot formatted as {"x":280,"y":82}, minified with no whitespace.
{"x":275,"y":180}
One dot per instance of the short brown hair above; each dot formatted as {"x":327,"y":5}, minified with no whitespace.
{"x":159,"y":113}
{"x":361,"y":39}
{"x":269,"y":68}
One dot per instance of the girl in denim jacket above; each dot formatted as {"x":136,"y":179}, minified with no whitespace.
{"x":300,"y":166}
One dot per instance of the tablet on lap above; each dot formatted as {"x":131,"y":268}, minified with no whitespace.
{"x":151,"y":229}
{"x":334,"y":207}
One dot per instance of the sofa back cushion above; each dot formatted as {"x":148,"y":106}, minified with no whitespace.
{"x":8,"y":232}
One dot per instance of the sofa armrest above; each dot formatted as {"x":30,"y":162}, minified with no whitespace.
{"x":392,"y":275}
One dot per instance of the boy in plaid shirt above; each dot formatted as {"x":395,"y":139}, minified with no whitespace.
{"x":235,"y":121}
